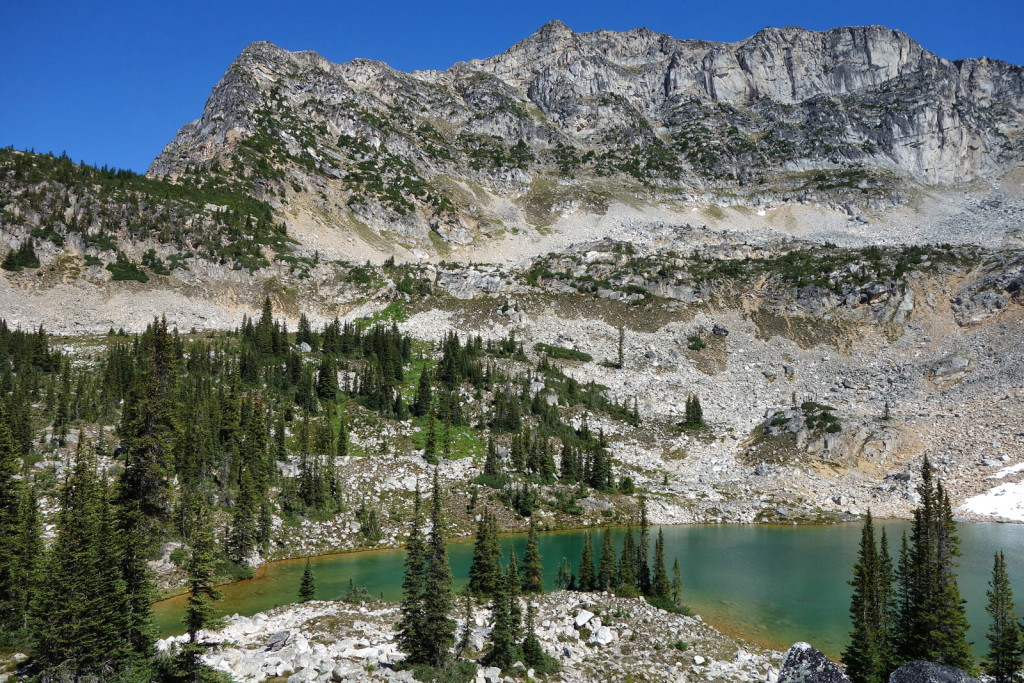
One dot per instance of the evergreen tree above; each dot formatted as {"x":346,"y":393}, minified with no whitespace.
{"x":627,"y":559}
{"x":492,"y":465}
{"x":438,"y":627}
{"x":643,"y":571}
{"x":430,"y":445}
{"x":10,"y":522}
{"x":867,"y":656}
{"x":503,"y":632}
{"x":199,"y":613}
{"x":564,"y":576}
{"x":485,"y":572}
{"x":533,"y":653}
{"x":533,"y":571}
{"x":937,"y":619}
{"x":660,"y":587}
{"x":677,"y":583}
{"x":462,"y":646}
{"x":606,"y":563}
{"x":422,"y":401}
{"x":307,"y":587}
{"x":586,"y":578}
{"x":1005,"y":657}
{"x":411,"y":627}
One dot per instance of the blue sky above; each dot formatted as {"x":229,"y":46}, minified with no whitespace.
{"x":111,"y":82}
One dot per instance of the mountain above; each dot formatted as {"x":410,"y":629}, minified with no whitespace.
{"x":565,"y":122}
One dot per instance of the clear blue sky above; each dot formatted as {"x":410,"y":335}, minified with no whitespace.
{"x":111,"y":81}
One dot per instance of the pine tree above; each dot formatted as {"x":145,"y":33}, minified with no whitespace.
{"x":492,"y":465}
{"x":485,"y":572}
{"x":438,"y":627}
{"x":586,"y":578}
{"x":533,"y":570}
{"x":1005,"y":657}
{"x":199,"y":613}
{"x":307,"y":587}
{"x":411,"y":627}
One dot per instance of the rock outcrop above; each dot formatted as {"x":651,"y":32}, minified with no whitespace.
{"x":804,"y":664}
{"x":929,"y":672}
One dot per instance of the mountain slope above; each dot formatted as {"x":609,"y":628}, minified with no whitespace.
{"x":564,"y":122}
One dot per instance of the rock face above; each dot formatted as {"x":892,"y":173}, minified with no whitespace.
{"x":415,"y":153}
{"x":804,"y":664}
{"x":928,"y":672}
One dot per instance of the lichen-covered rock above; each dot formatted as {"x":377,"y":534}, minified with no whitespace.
{"x":804,"y":664}
{"x":929,"y":672}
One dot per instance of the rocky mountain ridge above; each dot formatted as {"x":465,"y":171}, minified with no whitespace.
{"x":566,"y":122}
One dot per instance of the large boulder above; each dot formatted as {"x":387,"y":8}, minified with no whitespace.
{"x":804,"y":664}
{"x":928,"y":672}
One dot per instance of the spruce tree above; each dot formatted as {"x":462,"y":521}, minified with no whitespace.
{"x":533,"y":653}
{"x":564,"y":576}
{"x":606,"y":563}
{"x":660,"y":587}
{"x":199,"y":613}
{"x":1004,"y":658}
{"x":10,"y":522}
{"x":867,"y":656}
{"x":586,"y":578}
{"x":438,"y":627}
{"x":410,"y":627}
{"x":503,"y":633}
{"x":627,"y":559}
{"x":307,"y":587}
{"x":677,"y":583}
{"x":485,"y":571}
{"x":430,"y":445}
{"x":643,"y":571}
{"x":533,"y":570}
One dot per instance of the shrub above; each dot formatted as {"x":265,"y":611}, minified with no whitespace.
{"x":562,"y":353}
{"x":124,"y":269}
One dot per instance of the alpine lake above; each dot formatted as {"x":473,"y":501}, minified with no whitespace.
{"x":773,"y":585}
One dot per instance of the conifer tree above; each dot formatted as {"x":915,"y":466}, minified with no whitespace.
{"x":533,"y":570}
{"x":10,"y":522}
{"x":586,"y":578}
{"x":677,"y":583}
{"x":492,"y":465}
{"x":533,"y":654}
{"x":627,"y":559}
{"x":199,"y":613}
{"x":307,"y":587}
{"x":659,"y":583}
{"x":411,"y":627}
{"x":438,"y":627}
{"x":430,"y":445}
{"x":606,"y":563}
{"x":462,"y":645}
{"x":564,"y":576}
{"x":1005,"y":658}
{"x":937,"y":621}
{"x":503,"y":632}
{"x":485,"y":572}
{"x":643,"y":571}
{"x":867,"y":656}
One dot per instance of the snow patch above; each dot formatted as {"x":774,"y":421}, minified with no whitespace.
{"x":1006,"y":501}
{"x":1007,"y":471}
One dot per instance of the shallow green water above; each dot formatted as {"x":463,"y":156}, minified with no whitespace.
{"x":772,"y":585}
